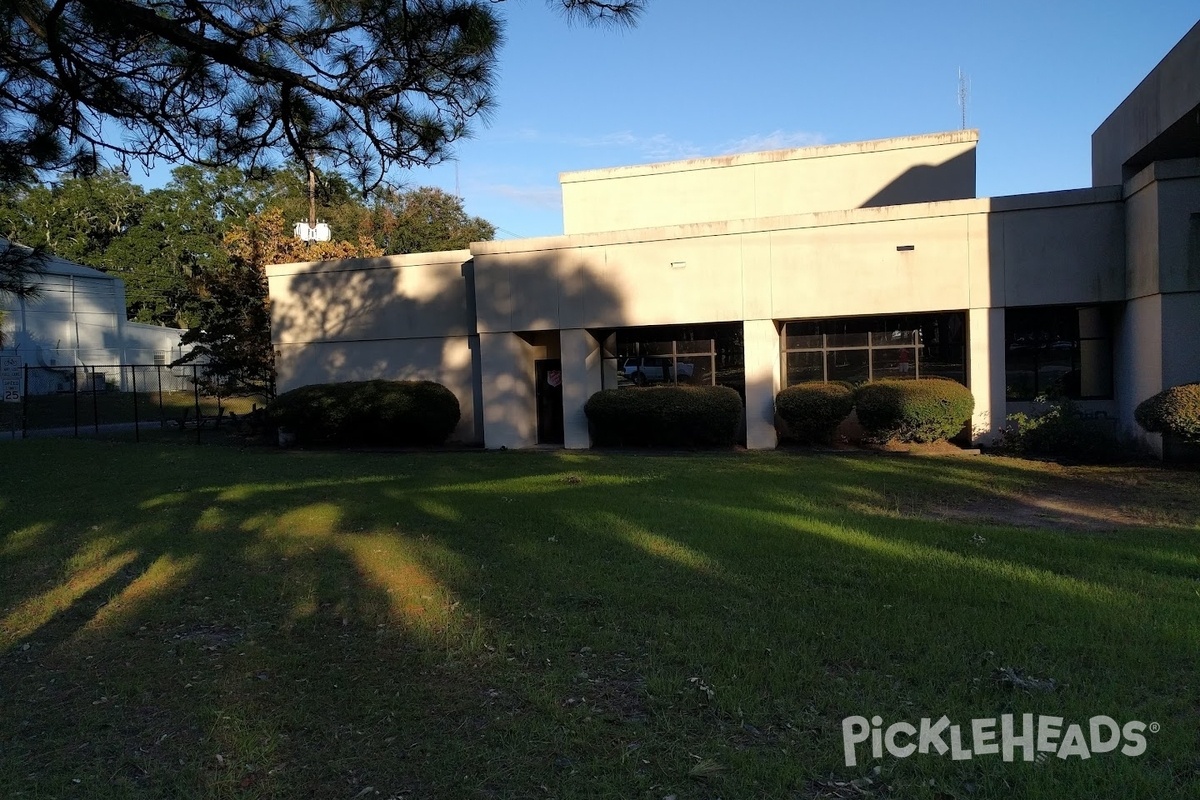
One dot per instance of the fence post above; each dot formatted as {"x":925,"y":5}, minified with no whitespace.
{"x":162,"y":419}
{"x":196,"y":386}
{"x":75,"y":398}
{"x":25,"y":405}
{"x":137,"y":428}
{"x":95,"y":407}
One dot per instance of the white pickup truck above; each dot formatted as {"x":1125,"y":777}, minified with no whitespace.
{"x":646,"y":370}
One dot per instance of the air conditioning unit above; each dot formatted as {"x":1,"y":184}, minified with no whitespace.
{"x":98,"y":382}
{"x":160,"y":358}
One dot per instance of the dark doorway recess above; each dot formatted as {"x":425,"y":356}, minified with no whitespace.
{"x":549,"y":396}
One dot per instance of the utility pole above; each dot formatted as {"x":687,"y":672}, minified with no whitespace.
{"x":312,"y":198}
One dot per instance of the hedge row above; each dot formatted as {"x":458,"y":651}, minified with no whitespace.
{"x":922,"y":410}
{"x":665,"y":416}
{"x":378,"y":412}
{"x":1174,"y":411}
{"x":811,"y":412}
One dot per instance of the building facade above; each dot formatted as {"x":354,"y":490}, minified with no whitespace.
{"x":77,"y":319}
{"x":758,"y":271}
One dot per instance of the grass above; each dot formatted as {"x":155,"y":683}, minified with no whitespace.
{"x":103,"y":408}
{"x":197,"y":621}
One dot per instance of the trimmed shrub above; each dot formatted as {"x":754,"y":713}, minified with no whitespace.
{"x":374,"y":412}
{"x":665,"y":416}
{"x":922,"y":410}
{"x":1062,"y":432}
{"x":811,"y":412}
{"x":1174,"y":411}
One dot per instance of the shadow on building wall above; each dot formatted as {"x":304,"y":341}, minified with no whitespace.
{"x":366,"y":319}
{"x":930,"y":183}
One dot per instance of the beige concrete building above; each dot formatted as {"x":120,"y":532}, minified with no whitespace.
{"x":757,"y":271}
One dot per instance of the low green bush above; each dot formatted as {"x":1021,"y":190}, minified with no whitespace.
{"x":922,"y":410}
{"x":665,"y":416}
{"x":378,"y":412}
{"x":811,"y":412}
{"x":1062,"y":431}
{"x":1174,"y":411}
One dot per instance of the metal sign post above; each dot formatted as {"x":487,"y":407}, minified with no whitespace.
{"x":10,"y":378}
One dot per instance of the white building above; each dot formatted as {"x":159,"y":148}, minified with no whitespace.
{"x":77,"y":319}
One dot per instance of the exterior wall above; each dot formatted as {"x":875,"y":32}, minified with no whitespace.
{"x":1040,"y":249}
{"x":1141,"y":239}
{"x":142,"y":343}
{"x":1133,"y":134}
{"x":74,"y":320}
{"x":78,"y":319}
{"x":913,"y":169}
{"x":1059,"y":247}
{"x":447,"y":360}
{"x":401,"y":318}
{"x":1180,"y":338}
{"x":509,"y":408}
{"x":1177,"y":185}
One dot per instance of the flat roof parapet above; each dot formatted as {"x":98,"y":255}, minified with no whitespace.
{"x":767,"y":156}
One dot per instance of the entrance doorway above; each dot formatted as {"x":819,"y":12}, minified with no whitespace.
{"x":549,"y":397}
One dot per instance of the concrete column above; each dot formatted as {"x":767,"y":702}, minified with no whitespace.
{"x":761,"y":341}
{"x":581,"y":370}
{"x":506,"y":378}
{"x":986,"y":376}
{"x":1139,"y":368}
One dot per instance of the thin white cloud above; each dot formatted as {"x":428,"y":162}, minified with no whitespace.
{"x":663,"y":147}
{"x":549,"y":197}
{"x":654,"y":146}
{"x":775,"y":140}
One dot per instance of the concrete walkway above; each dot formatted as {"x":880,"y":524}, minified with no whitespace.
{"x":84,"y":430}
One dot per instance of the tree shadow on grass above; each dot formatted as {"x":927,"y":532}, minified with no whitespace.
{"x":489,"y":624}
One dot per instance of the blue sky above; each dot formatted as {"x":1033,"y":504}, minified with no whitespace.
{"x":702,"y":78}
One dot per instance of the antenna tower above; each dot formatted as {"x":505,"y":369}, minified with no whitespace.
{"x":964,"y":92}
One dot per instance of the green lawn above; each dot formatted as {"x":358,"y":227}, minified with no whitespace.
{"x":201,"y":621}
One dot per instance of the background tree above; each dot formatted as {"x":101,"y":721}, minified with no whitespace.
{"x":163,"y":243}
{"x":232,"y":335}
{"x":425,"y":219}
{"x":76,"y":219}
{"x":365,"y":87}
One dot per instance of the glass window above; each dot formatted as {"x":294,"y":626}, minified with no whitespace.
{"x":858,"y":349}
{"x":686,"y":354}
{"x":894,"y":362}
{"x":852,"y":366}
{"x":1058,"y":351}
{"x":805,"y":367}
{"x":847,"y":340}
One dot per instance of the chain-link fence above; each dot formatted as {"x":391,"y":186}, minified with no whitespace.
{"x":120,"y":398}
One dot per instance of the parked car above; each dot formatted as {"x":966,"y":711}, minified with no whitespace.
{"x":645,"y":370}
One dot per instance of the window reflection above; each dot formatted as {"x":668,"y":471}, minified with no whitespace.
{"x":860,"y":349}
{"x":1058,"y":351}
{"x":702,"y":355}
